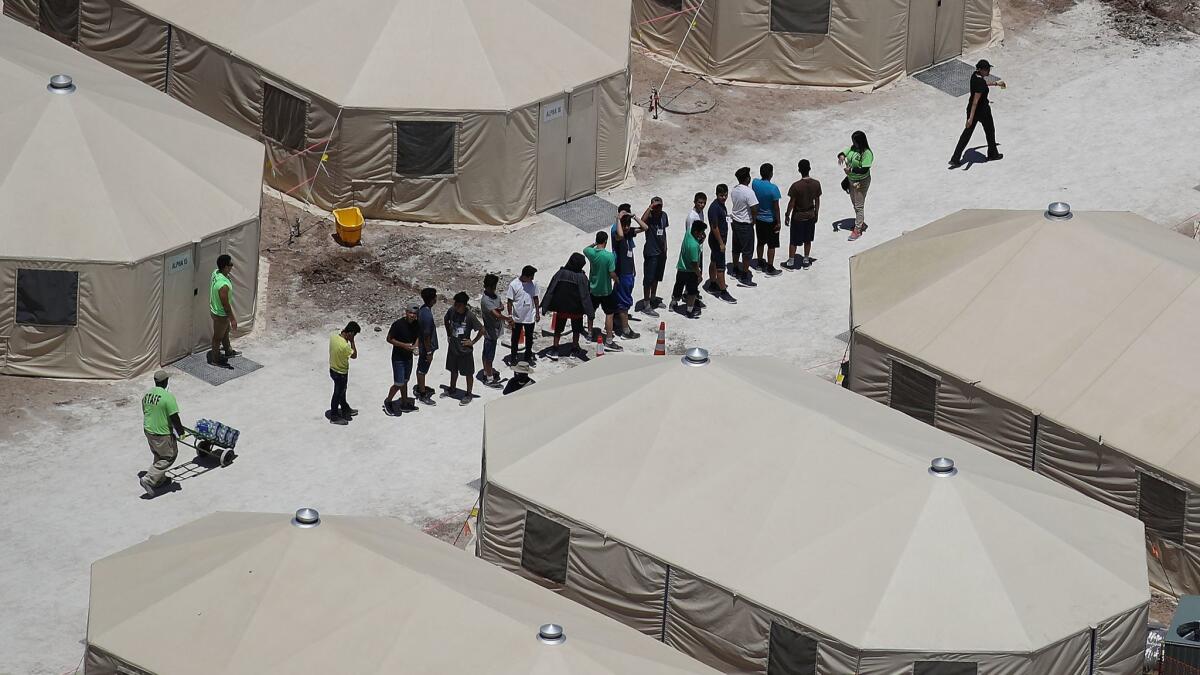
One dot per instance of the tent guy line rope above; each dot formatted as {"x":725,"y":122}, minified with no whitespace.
{"x":675,"y":59}
{"x":667,"y":16}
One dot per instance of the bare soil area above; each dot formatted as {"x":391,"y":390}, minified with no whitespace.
{"x":1149,"y":22}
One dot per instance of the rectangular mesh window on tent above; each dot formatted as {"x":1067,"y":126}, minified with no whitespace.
{"x":47,"y":297}
{"x":945,"y":668}
{"x":284,"y":117}
{"x":800,"y":16}
{"x":790,"y":653}
{"x":59,"y":19}
{"x":544,"y":547}
{"x":913,"y":393}
{"x":1162,"y":507}
{"x":425,"y":148}
{"x":675,"y":5}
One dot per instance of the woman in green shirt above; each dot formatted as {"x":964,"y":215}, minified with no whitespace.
{"x":856,"y":161}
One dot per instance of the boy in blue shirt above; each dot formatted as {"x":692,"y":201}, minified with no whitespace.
{"x":767,"y":220}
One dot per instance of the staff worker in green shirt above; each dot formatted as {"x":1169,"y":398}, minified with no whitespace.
{"x":687,"y":272}
{"x":160,"y":416}
{"x":602,"y":274}
{"x":220,"y":301}
{"x":856,"y":161}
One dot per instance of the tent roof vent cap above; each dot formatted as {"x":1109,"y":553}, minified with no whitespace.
{"x":942,"y":466}
{"x":306,"y":518}
{"x":551,"y":634}
{"x":1058,"y":211}
{"x":61,"y":84}
{"x":696,"y":356}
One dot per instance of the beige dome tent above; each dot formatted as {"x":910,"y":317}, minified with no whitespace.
{"x":263,"y":594}
{"x":453,"y":111}
{"x":115,"y":202}
{"x":859,"y":44}
{"x":1064,"y":345}
{"x":766,"y":521}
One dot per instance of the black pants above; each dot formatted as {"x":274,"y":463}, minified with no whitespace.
{"x":983,"y":115}
{"x":519,"y":330}
{"x":338,"y":404}
{"x":686,"y":285}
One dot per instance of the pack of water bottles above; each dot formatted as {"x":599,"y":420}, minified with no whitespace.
{"x":222,"y":435}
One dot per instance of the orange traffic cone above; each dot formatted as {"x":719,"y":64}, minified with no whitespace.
{"x":660,"y":347}
{"x":600,"y":346}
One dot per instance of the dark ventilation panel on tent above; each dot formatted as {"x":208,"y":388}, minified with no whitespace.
{"x":425,"y":148}
{"x":1162,"y":507}
{"x":284,"y":117}
{"x":676,"y":5}
{"x":59,"y":19}
{"x":790,"y":653}
{"x":47,"y":297}
{"x":800,"y":16}
{"x":544,"y":547}
{"x":913,"y":392}
{"x":945,"y":668}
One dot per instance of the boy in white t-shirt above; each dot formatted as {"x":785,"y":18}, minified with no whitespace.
{"x":524,"y":308}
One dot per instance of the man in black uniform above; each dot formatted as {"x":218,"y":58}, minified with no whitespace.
{"x":979,"y":111}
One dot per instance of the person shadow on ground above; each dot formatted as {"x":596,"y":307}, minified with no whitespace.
{"x":973,"y":156}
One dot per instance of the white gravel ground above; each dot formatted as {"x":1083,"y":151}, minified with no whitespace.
{"x":1088,"y":118}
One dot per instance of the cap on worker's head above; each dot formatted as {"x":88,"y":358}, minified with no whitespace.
{"x":414,"y":306}
{"x":983,"y":65}
{"x":161,"y":376}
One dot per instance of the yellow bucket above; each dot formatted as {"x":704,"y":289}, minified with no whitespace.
{"x":349,"y":225}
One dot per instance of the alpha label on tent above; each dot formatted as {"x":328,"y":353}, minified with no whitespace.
{"x":179,"y":263}
{"x":553,"y":111}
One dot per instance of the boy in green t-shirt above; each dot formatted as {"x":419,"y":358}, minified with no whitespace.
{"x":341,"y":350}
{"x":602,"y":274}
{"x":687,"y":274}
{"x":160,"y":415}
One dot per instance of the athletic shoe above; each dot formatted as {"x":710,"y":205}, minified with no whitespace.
{"x":339,"y":420}
{"x":495,"y":377}
{"x":756,"y":263}
{"x":727,"y":297}
{"x":746,"y":281}
{"x":649,"y":312}
{"x":955,"y":163}
{"x":389,"y":410}
{"x":631,"y":335}
{"x":353,"y":412}
{"x":807,"y":263}
{"x":612,"y":346}
{"x":854,"y":236}
{"x":427,"y":399}
{"x":710,"y":286}
{"x":995,"y":157}
{"x":408,"y":405}
{"x":232,"y":353}
{"x":552,"y":354}
{"x":693,"y":314}
{"x":466,"y":400}
{"x":772,"y":271}
{"x":149,"y":487}
{"x":700,"y":303}
{"x":788,"y":265}
{"x":657,"y":302}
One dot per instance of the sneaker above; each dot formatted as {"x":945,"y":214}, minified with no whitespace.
{"x":693,"y":314}
{"x":338,"y":420}
{"x":807,"y":262}
{"x":552,"y":354}
{"x":630,"y":334}
{"x":995,"y":157}
{"x":232,"y":353}
{"x":657,"y":302}
{"x":649,"y":312}
{"x":427,"y":399}
{"x":789,"y":265}
{"x":409,"y":405}
{"x":353,"y":412}
{"x":772,"y":271}
{"x":710,"y":286}
{"x":727,"y":297}
{"x":149,"y":487}
{"x":389,"y":410}
{"x":495,"y":377}
{"x":612,"y":346}
{"x":700,"y":303}
{"x":757,"y":263}
{"x":746,"y":281}
{"x":854,"y":236}
{"x":955,"y":163}
{"x":466,"y":400}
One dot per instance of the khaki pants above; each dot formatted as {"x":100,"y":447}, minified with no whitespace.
{"x":165,"y":451}
{"x":858,"y":197}
{"x":220,"y":338}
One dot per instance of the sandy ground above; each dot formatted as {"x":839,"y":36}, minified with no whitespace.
{"x":1089,"y":117}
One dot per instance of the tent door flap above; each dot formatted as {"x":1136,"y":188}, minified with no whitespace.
{"x":205,"y":262}
{"x":922,"y":19}
{"x":179,"y":292}
{"x":581,"y":144}
{"x":552,"y":153}
{"x":951,"y":18}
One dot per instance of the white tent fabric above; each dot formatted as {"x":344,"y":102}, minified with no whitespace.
{"x":837,"y":525}
{"x":455,"y":54}
{"x":252,"y":594}
{"x":1076,"y":334}
{"x":114,"y":172}
{"x":129,"y":195}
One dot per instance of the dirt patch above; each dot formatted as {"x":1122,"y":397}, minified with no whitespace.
{"x":1019,"y":14}
{"x":1155,"y":22}
{"x":704,"y":110}
{"x":313,"y":277}
{"x":1162,"y":608}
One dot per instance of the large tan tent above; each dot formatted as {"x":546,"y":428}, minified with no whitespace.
{"x":1064,"y":345}
{"x":797,"y":528}
{"x":859,"y":44}
{"x":455,"y":111}
{"x":266,"y":594}
{"x":115,"y":202}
